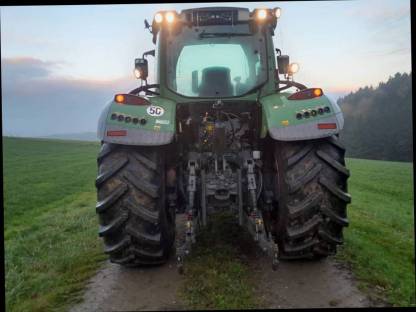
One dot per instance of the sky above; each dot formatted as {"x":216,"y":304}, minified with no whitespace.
{"x":60,"y":65}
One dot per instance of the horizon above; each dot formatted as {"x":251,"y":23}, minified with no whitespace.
{"x":62,"y":64}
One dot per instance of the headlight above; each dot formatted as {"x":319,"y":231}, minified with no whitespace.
{"x":137,"y":73}
{"x":170,"y":17}
{"x":158,"y":18}
{"x":293,"y":68}
{"x":261,"y":14}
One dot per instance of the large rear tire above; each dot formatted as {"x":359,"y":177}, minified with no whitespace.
{"x":136,"y":224}
{"x":311,"y":184}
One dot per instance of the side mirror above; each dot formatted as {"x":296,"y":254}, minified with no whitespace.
{"x":141,"y":68}
{"x":195,"y":81}
{"x":283,"y":64}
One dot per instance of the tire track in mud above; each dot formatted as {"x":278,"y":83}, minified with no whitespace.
{"x":296,"y":284}
{"x":307,"y":284}
{"x":115,"y":288}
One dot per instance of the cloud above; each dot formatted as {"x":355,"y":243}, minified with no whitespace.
{"x":25,"y":68}
{"x":378,"y":12}
{"x":36,"y":102}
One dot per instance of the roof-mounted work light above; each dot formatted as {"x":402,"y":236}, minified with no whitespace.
{"x":265,"y":16}
{"x":165,"y":17}
{"x":261,"y":14}
{"x":170,"y":17}
{"x":158,"y":18}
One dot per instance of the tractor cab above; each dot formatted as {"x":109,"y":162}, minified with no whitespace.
{"x":220,"y":52}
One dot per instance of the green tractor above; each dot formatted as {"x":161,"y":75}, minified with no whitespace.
{"x":219,"y":131}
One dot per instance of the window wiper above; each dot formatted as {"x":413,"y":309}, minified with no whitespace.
{"x":215,"y":35}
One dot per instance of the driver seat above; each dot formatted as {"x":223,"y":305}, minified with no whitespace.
{"x":216,"y":81}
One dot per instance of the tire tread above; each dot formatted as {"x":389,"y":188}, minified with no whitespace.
{"x":131,"y":206}
{"x":311,"y":202}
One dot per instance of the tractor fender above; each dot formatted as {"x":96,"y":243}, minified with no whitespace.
{"x":280,"y":118}
{"x":152,"y":124}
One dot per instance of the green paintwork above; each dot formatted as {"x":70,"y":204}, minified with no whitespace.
{"x":168,"y":117}
{"x":279,"y":112}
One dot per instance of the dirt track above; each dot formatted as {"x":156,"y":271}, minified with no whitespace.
{"x":301,"y":284}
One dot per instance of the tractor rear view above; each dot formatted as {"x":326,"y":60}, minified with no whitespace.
{"x":219,"y":131}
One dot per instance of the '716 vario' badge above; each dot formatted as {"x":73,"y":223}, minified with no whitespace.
{"x":155,"y":111}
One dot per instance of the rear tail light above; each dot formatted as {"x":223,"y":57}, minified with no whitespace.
{"x":306,"y":94}
{"x":130,"y":99}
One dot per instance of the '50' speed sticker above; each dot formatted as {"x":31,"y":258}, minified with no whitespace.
{"x":155,"y":110}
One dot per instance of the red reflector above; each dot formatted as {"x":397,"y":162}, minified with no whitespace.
{"x":131,"y":99}
{"x":327,"y":126}
{"x":117,"y":133}
{"x":306,"y":94}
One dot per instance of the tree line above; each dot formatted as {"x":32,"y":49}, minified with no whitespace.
{"x":378,"y":121}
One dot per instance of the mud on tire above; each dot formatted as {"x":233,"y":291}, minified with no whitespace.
{"x":135,"y":223}
{"x":312,"y":188}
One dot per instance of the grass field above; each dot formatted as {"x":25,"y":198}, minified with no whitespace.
{"x":50,"y":228}
{"x":379,"y":244}
{"x":51,"y":243}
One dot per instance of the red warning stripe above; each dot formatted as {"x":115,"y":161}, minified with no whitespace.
{"x":323,"y":126}
{"x":117,"y":133}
